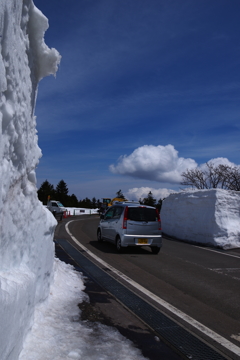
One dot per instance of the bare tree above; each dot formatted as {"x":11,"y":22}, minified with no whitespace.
{"x":195,"y":178}
{"x":234,"y":179}
{"x":212,"y":177}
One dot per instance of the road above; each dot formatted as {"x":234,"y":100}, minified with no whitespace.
{"x":201,"y":282}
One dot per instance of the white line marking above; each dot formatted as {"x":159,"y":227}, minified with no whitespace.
{"x":211,"y":334}
{"x":218,"y":252}
{"x":227,"y":269}
{"x":236,"y":337}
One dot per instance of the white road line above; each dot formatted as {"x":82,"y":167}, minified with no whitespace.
{"x":236,"y":337}
{"x":218,"y":252}
{"x":203,"y":329}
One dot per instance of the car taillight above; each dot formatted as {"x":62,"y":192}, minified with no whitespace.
{"x":125,"y":217}
{"x":159,"y":220}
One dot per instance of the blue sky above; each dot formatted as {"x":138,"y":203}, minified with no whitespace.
{"x":149,"y":87}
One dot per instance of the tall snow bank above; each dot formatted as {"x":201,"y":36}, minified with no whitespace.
{"x":26,"y":246}
{"x":210,"y":217}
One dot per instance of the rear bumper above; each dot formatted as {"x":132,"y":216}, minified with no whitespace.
{"x":141,"y":240}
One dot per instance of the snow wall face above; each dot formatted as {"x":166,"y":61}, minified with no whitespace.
{"x":210,"y":217}
{"x":26,"y":242}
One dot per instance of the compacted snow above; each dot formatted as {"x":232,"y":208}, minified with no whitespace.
{"x":26,"y":247}
{"x":210,"y":217}
{"x":59,"y":334}
{"x":38,"y":295}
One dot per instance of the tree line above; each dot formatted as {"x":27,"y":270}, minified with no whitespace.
{"x":148,"y":200}
{"x":212,"y":176}
{"x":60,"y":193}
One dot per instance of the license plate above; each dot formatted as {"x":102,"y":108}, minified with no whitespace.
{"x":142,"y":241}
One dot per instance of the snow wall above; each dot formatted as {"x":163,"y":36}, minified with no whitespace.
{"x":26,"y":242}
{"x":209,"y":217}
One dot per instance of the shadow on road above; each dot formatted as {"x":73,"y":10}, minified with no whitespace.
{"x":109,"y":248}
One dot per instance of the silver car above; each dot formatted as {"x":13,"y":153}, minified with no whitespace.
{"x":131,"y":224}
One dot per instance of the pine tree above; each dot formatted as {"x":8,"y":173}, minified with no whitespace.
{"x":45,"y":190}
{"x":62,"y":192}
{"x":159,"y":204}
{"x":85,"y":203}
{"x":71,"y":201}
{"x":149,"y":200}
{"x":94,"y":203}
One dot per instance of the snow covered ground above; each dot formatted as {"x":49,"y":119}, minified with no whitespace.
{"x":81,"y":211}
{"x":59,"y":334}
{"x":210,"y":217}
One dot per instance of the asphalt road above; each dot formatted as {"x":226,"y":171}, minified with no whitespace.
{"x":201,"y":282}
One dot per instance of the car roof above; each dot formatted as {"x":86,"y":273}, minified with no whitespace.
{"x":132,"y":204}
{"x":125,"y":203}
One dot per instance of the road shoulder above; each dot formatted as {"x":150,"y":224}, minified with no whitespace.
{"x":104,"y":308}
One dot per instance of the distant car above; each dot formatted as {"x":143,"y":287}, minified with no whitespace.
{"x":131,"y":224}
{"x":55,"y":207}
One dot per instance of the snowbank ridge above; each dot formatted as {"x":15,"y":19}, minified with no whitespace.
{"x":26,"y":248}
{"x":210,"y":217}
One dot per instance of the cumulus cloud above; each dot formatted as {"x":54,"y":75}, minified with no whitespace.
{"x":142,"y":192}
{"x":157,"y":163}
{"x":216,"y":162}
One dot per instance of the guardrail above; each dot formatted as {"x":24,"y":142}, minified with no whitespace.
{"x":74,"y":212}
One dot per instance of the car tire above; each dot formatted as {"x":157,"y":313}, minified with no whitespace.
{"x":118,"y":245}
{"x":99,"y":236}
{"x":155,"y":249}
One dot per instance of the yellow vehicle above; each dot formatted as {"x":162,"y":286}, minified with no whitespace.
{"x":116,"y":199}
{"x":106,"y":201}
{"x":109,"y":202}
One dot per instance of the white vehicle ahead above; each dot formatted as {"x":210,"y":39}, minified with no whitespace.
{"x":55,"y":207}
{"x":131,"y":224}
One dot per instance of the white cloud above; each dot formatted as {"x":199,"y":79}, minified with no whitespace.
{"x":216,"y":162}
{"x":157,"y":163}
{"x":142,"y":192}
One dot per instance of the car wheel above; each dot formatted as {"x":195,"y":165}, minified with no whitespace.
{"x":155,"y":249}
{"x":118,"y":245}
{"x":99,"y":236}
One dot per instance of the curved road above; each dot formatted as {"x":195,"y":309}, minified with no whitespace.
{"x":202,"y":283}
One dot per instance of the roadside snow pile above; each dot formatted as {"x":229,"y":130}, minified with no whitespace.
{"x":210,"y":217}
{"x":81,"y":211}
{"x":26,"y":247}
{"x":58,"y":333}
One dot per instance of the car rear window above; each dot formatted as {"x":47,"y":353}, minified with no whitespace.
{"x":142,"y":214}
